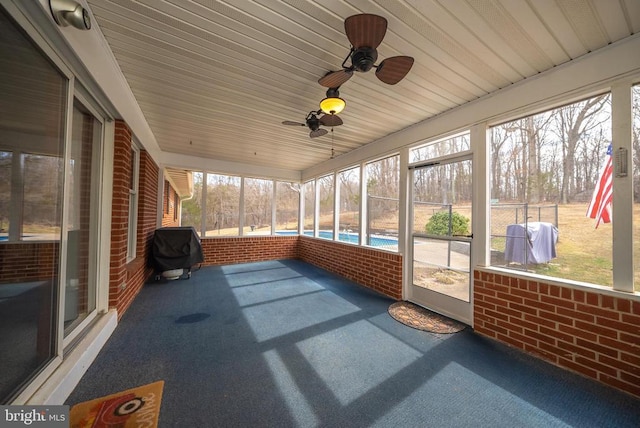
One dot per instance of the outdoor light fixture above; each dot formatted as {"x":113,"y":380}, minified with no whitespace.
{"x":332,"y":104}
{"x":69,"y":12}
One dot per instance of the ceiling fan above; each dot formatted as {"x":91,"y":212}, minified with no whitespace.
{"x":313,"y":121}
{"x":365,"y":33}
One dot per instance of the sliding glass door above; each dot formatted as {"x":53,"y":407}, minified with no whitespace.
{"x":50,"y":168}
{"x":33,"y":109}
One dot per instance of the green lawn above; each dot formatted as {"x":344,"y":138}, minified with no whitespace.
{"x":584,"y":253}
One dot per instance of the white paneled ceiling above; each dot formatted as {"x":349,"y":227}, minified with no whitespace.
{"x":215,"y":79}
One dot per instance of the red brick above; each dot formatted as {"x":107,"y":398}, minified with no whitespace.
{"x":576,"y":314}
{"x":598,"y":348}
{"x":601,"y":368}
{"x":540,"y":321}
{"x":586,"y":353}
{"x":542,"y":354}
{"x":619,"y":326}
{"x":554,"y":291}
{"x":524,"y":309}
{"x":578,"y":368}
{"x":620,"y":345}
{"x":509,"y":297}
{"x":623,"y":305}
{"x":631,"y":319}
{"x":617,"y":383}
{"x":593,"y":299}
{"x":569,"y":338}
{"x":619,"y":364}
{"x":607,"y":302}
{"x":511,"y":341}
{"x":556,"y":317}
{"x":596,"y":329}
{"x":540,"y":305}
{"x":558,"y":302}
{"x":540,"y":337}
{"x":598,"y":311}
{"x":523,"y":323}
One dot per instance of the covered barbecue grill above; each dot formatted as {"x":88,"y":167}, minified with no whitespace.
{"x":174,"y":251}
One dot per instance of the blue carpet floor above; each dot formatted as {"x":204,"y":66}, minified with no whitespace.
{"x":286,"y":344}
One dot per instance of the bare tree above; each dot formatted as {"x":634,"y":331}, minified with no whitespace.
{"x":573,"y":123}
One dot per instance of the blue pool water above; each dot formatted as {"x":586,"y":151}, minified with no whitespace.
{"x":376,"y":241}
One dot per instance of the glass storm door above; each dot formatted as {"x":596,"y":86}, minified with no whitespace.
{"x":441,"y":237}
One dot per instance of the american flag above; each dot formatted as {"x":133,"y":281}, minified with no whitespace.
{"x":600,"y":206}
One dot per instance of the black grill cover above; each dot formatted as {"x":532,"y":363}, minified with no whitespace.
{"x":175,"y":248}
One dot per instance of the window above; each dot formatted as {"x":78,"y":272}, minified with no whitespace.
{"x":287,"y":206}
{"x":383,"y":210}
{"x":176,"y":206}
{"x":455,"y":144}
{"x":222,"y":216}
{"x":191,"y":212}
{"x":42,"y":197}
{"x":545,"y":172}
{"x":309,"y":207}
{"x":80,"y":288}
{"x":6,"y":159}
{"x":349,"y":206}
{"x":33,"y":106}
{"x":325,"y":200}
{"x":258,"y":196}
{"x":222,"y":207}
{"x":134,"y":168}
{"x":635,"y":141}
{"x":166,"y":199}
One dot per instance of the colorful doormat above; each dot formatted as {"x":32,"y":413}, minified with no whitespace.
{"x":422,"y":319}
{"x":137,"y":407}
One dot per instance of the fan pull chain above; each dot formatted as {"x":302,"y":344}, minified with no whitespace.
{"x":332,"y":151}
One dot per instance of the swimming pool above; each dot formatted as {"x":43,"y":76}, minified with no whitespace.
{"x":376,"y":241}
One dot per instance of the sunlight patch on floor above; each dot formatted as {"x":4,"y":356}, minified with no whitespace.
{"x":280,"y":317}
{"x":289,"y":391}
{"x":274,"y":290}
{"x":356,"y":358}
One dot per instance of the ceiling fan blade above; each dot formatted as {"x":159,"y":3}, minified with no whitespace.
{"x":331,"y":120}
{"x":365,"y":30}
{"x":335,"y":78}
{"x":392,"y":70}
{"x":288,"y":122}
{"x":318,"y":133}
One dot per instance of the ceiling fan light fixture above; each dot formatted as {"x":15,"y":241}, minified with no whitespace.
{"x":332,"y":104}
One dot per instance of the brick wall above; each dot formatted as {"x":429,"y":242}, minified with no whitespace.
{"x":170,"y":206}
{"x":222,"y":251}
{"x":592,"y":333}
{"x":126,"y":279}
{"x":139,"y":269}
{"x":376,"y":269}
{"x":28,"y":261}
{"x":119,"y":211}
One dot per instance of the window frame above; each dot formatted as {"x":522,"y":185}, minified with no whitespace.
{"x":622,"y":227}
{"x":132,"y":229}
